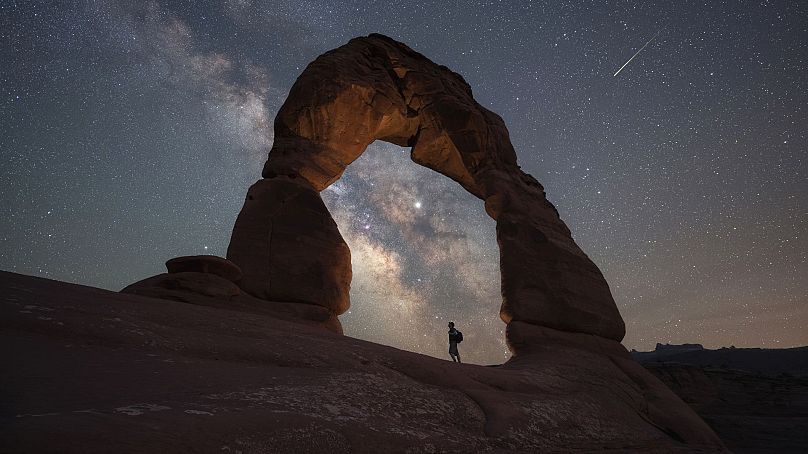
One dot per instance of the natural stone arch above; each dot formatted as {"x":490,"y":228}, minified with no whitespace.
{"x":374,"y":88}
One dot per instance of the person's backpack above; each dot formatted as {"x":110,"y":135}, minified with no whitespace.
{"x":458,"y":336}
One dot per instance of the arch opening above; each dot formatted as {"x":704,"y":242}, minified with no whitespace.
{"x":423,"y":253}
{"x":374,"y":88}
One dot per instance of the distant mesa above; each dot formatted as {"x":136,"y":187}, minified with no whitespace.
{"x":677,"y":348}
{"x":760,"y":361}
{"x":212,"y":281}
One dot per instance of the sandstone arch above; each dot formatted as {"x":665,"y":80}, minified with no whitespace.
{"x":374,"y":88}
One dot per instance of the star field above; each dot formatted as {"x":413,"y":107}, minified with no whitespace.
{"x":130,"y":132}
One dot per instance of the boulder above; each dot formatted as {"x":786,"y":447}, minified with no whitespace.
{"x":206,"y":289}
{"x":178,"y":286}
{"x":205,"y":264}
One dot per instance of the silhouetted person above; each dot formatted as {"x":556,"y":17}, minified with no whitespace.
{"x":455,"y":337}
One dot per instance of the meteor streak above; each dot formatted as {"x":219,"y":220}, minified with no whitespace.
{"x":641,"y":48}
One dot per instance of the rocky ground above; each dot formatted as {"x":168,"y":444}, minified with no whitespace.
{"x":763,"y":409}
{"x":87,"y":370}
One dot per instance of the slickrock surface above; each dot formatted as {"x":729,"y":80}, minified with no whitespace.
{"x":374,"y":88}
{"x":87,"y":370}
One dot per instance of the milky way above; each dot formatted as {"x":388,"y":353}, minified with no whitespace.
{"x":424,"y":253}
{"x":130,"y":131}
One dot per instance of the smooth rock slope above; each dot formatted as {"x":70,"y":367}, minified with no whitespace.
{"x":88,"y":370}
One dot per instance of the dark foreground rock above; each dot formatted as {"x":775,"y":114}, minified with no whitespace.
{"x":755,"y":399}
{"x":87,"y":370}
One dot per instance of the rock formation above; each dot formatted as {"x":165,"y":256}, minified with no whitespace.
{"x":205,"y":264}
{"x":375,"y":88}
{"x":242,"y":337}
{"x":206,"y":280}
{"x":290,"y":246}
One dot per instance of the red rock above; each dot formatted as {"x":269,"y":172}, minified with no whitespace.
{"x":205,"y":264}
{"x":175,"y":284}
{"x":289,"y":248}
{"x":206,"y":289}
{"x":375,"y":88}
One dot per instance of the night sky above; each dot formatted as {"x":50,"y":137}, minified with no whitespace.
{"x":130,"y":132}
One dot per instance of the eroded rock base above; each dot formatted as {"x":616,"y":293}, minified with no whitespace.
{"x":289,"y":247}
{"x":206,"y":289}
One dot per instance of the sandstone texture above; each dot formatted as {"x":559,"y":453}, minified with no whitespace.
{"x":205,"y":264}
{"x":289,"y":247}
{"x":374,"y":88}
{"x":88,"y":370}
{"x":759,"y":361}
{"x":206,"y":289}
